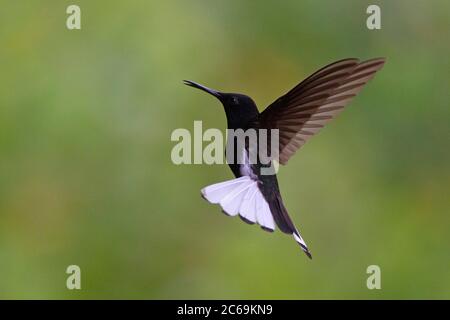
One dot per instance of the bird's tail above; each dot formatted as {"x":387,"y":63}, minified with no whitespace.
{"x":242,"y":196}
{"x":285,"y":223}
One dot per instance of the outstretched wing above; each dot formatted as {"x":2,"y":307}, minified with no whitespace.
{"x":305,"y":109}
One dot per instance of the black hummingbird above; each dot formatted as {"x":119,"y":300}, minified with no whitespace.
{"x":298,"y":115}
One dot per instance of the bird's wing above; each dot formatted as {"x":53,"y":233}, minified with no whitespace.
{"x":305,"y":109}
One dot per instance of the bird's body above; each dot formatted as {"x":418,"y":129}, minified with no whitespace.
{"x":267,"y":184}
{"x":297,"y":115}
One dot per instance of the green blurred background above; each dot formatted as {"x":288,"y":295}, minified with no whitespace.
{"x":85,"y":170}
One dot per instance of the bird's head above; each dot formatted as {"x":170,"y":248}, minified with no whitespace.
{"x":239,"y":108}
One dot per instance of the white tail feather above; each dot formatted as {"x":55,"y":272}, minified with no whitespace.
{"x":248,"y":205}
{"x":216,"y":192}
{"x":231,"y":203}
{"x":241,"y":196}
{"x":263,"y":214}
{"x":299,"y":239}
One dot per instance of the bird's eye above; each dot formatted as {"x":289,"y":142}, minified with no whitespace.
{"x":234,"y":100}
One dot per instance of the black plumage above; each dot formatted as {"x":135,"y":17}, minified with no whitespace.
{"x":298,"y":115}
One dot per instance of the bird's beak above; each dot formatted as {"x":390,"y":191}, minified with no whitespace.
{"x":206,"y":89}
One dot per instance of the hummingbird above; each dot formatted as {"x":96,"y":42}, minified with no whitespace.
{"x":297,"y":115}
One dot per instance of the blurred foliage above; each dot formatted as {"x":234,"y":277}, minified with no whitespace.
{"x":85,"y":170}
